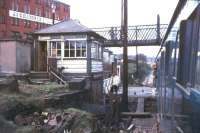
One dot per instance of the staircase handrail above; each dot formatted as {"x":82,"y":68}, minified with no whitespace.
{"x":58,"y":75}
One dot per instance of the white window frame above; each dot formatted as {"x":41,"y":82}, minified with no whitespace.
{"x":97,"y":46}
{"x":51,"y":50}
{"x":79,"y":57}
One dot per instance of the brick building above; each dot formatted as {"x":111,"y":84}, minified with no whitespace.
{"x":20,"y":17}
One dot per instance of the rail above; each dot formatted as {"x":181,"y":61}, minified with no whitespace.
{"x":56,"y":74}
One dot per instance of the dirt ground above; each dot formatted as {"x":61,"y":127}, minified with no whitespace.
{"x":54,"y":108}
{"x":24,"y":109}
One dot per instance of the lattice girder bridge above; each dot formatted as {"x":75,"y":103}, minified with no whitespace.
{"x":140,"y":35}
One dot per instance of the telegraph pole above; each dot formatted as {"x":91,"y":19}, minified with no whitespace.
{"x":136,"y":48}
{"x":158,"y":28}
{"x":124,"y":25}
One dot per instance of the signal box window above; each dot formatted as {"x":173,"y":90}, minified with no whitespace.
{"x":55,"y":49}
{"x":75,"y":49}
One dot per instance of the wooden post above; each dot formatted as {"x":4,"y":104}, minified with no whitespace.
{"x":158,"y":28}
{"x":124,"y":21}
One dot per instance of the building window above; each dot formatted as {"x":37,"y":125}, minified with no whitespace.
{"x":93,"y":51}
{"x":38,"y":2}
{"x":75,"y":49}
{"x":15,"y":21}
{"x":66,"y":8}
{"x":27,"y":9}
{"x":15,"y":5}
{"x":16,"y":34}
{"x":48,"y":3}
{"x":2,"y":3}
{"x":55,"y":49}
{"x":66,"y":50}
{"x":78,"y":49}
{"x":66,"y":18}
{"x":2,"y":19}
{"x":28,"y":35}
{"x":38,"y":25}
{"x":57,"y":4}
{"x":100,"y":52}
{"x":27,"y":23}
{"x":72,"y":48}
{"x":38,"y":12}
{"x":47,"y":14}
{"x":96,"y":51}
{"x":83,"y":50}
{"x":27,"y":1}
{"x":57,"y":17}
{"x":2,"y":33}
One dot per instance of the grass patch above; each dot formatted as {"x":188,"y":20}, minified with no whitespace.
{"x":83,"y":120}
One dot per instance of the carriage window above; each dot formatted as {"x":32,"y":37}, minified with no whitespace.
{"x":168,"y":60}
{"x":185,"y":50}
{"x":198,"y":70}
{"x":197,"y":81}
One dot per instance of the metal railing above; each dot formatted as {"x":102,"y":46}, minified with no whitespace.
{"x":137,"y":35}
{"x":56,"y":74}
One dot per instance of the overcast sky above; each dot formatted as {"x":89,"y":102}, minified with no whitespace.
{"x":103,"y":13}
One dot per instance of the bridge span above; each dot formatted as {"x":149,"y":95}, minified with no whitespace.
{"x":140,"y":35}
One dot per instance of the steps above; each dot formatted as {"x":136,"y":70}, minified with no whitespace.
{"x":38,"y":77}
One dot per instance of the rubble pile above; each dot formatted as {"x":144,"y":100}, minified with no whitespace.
{"x":26,"y":108}
{"x":70,"y":120}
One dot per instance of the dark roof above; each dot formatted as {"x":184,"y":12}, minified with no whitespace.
{"x":61,"y":2}
{"x":68,"y":26}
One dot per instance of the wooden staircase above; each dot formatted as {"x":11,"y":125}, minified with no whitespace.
{"x":38,"y":77}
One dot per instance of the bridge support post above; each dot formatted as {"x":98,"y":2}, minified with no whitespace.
{"x":124,"y":26}
{"x":158,"y":29}
{"x":137,"y":64}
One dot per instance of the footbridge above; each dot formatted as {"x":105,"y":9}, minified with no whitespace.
{"x":140,"y":35}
